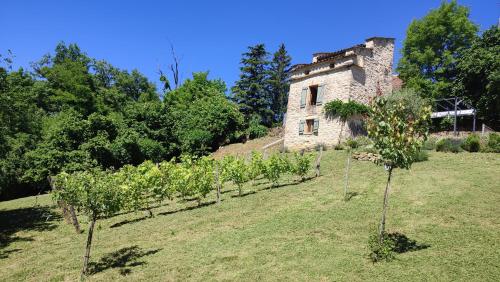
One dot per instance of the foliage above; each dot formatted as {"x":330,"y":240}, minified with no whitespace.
{"x":202,"y":180}
{"x":494,"y":143}
{"x":73,"y":113}
{"x":472,"y":143}
{"x":452,"y":145}
{"x":363,"y":141}
{"x":430,"y":143}
{"x":398,"y":128}
{"x":256,"y":166}
{"x":345,"y":110}
{"x":203,"y":117}
{"x":421,"y":156}
{"x":256,"y":129}
{"x":278,"y":83}
{"x":432,"y":47}
{"x":478,"y":76}
{"x":250,"y":91}
{"x":237,"y":172}
{"x":301,"y":165}
{"x":274,"y":167}
{"x":381,"y":250}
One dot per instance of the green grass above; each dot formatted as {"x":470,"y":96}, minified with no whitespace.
{"x":294,"y":232}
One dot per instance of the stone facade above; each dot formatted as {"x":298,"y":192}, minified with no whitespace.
{"x":354,"y":73}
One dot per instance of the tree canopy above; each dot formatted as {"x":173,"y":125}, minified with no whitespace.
{"x":432,"y":47}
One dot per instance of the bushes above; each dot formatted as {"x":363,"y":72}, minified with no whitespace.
{"x":421,"y":156}
{"x":472,"y":143}
{"x":493,"y":144}
{"x":449,"y":145}
{"x":430,"y":144}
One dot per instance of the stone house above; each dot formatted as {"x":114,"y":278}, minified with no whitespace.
{"x":355,"y":73}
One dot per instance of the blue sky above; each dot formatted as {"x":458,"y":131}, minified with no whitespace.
{"x":208,"y":35}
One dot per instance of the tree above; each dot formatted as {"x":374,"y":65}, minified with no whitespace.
{"x":345,"y":111}
{"x":478,"y":76}
{"x":251,"y":91}
{"x":398,"y":126}
{"x":431,"y":49}
{"x":278,"y":83}
{"x":93,"y":192}
{"x":203,"y":118}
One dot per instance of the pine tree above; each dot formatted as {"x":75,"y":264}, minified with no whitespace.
{"x":251,"y":91}
{"x":278,"y":83}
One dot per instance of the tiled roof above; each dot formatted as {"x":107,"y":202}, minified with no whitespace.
{"x":326,"y":56}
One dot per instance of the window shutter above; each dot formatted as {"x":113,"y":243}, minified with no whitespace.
{"x":319,"y":98}
{"x":303,"y":96}
{"x":316,"y":126}
{"x":301,"y":127}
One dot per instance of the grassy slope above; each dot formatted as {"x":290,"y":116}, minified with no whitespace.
{"x":294,"y":232}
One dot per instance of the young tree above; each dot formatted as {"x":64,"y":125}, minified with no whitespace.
{"x":278,"y":83}
{"x":237,"y":171}
{"x":93,"y":192}
{"x":251,"y":91}
{"x":431,"y":49}
{"x":478,"y":76}
{"x":398,"y":126}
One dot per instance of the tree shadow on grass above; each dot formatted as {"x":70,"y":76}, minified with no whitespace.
{"x":270,"y":187}
{"x":128,"y":221}
{"x":37,"y":219}
{"x":205,"y":204}
{"x":351,"y":195}
{"x":403,"y":244}
{"x":123,"y":259}
{"x":243,"y":194}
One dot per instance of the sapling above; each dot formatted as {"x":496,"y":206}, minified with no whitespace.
{"x":398,"y":126}
{"x":93,"y":192}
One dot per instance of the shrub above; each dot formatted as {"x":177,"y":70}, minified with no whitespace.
{"x":446,"y":123}
{"x":352,"y":143}
{"x":319,"y":146}
{"x":301,"y":165}
{"x":274,"y":167}
{"x":421,"y":156}
{"x":255,"y":129}
{"x":494,"y":143}
{"x":449,"y":145}
{"x":381,"y":249}
{"x":339,"y":147}
{"x":363,"y":141}
{"x":472,"y":143}
{"x":430,"y":144}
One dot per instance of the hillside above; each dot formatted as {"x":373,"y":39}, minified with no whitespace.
{"x":305,"y":231}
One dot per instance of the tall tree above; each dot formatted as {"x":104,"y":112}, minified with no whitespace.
{"x":251,"y":91}
{"x":478,"y":78}
{"x":278,"y":83}
{"x":431,"y":48}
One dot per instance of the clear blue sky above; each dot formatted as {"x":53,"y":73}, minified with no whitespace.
{"x":207,"y":35}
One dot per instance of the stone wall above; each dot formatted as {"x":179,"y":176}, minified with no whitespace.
{"x":354,"y":76}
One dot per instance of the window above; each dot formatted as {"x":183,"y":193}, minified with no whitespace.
{"x":309,"y":126}
{"x":314,"y":95}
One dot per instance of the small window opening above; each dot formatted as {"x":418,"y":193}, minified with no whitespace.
{"x":314,"y":95}
{"x":309,"y":126}
{"x":306,"y":72}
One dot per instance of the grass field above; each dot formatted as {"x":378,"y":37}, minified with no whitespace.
{"x":450,"y":205}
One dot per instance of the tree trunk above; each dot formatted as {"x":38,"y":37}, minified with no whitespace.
{"x":87,"y":248}
{"x":386,"y":200}
{"x":318,"y":161}
{"x":341,"y":131}
{"x":61,"y":204}
{"x":347,"y":174}
{"x":74,"y":219}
